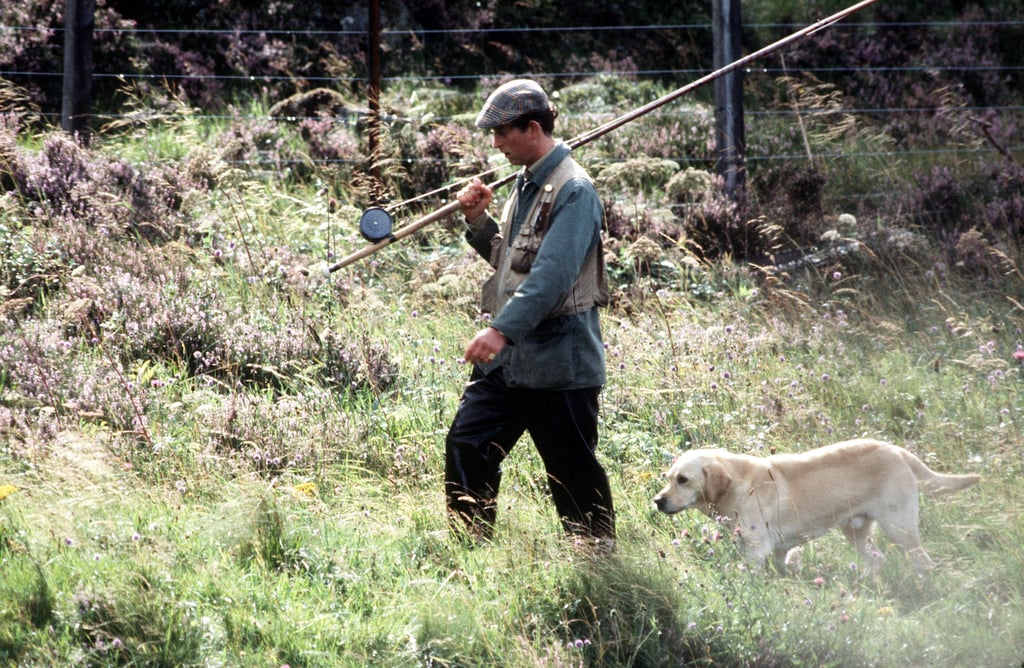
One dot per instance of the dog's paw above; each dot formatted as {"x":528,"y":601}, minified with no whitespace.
{"x":792,"y":562}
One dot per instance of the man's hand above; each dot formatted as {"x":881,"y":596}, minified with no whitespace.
{"x":474,"y":197}
{"x":485,"y":346}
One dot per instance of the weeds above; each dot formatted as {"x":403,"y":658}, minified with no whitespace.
{"x":218,"y":459}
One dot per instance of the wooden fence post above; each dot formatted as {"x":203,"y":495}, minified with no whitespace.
{"x":730,"y":138}
{"x":78,"y":68}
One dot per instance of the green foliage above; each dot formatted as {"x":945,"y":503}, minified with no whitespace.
{"x":28,"y":607}
{"x":640,"y":175}
{"x":224,"y":457}
{"x":133,"y":622}
{"x":27,"y":261}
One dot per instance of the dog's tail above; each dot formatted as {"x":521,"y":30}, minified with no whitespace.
{"x":938,"y":483}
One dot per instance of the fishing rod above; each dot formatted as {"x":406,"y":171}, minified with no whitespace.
{"x":376,"y":223}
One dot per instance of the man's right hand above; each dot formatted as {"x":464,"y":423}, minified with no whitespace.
{"x":474,"y":199}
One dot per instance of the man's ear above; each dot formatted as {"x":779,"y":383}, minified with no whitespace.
{"x":717,"y":482}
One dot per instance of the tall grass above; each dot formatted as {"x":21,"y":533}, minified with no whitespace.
{"x":218,"y":459}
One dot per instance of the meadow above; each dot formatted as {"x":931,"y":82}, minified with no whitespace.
{"x":211,"y":454}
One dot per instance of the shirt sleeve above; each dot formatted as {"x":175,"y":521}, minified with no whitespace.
{"x":479,"y":233}
{"x":573,"y":233}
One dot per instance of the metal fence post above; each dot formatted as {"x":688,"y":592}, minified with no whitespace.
{"x":730,"y":138}
{"x":78,"y":68}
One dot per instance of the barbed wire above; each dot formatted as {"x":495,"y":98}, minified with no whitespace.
{"x":461,"y":32}
{"x":689,"y":73}
{"x":597,"y":116}
{"x":750,"y":157}
{"x":130,"y":76}
{"x":665,"y":72}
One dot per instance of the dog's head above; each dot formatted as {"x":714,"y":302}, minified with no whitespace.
{"x":696,"y":479}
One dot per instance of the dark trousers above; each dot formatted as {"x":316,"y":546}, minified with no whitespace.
{"x":563,"y":425}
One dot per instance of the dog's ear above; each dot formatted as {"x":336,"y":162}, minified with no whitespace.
{"x":717,"y":482}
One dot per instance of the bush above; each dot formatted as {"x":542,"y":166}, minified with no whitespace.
{"x":636,"y":175}
{"x":970,"y":75}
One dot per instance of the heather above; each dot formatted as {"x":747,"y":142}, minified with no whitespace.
{"x":213,"y":454}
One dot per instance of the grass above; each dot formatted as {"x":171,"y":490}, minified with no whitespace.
{"x":192,"y":487}
{"x":344,"y":560}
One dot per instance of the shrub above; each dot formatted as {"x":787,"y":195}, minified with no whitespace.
{"x":36,"y":44}
{"x":65,"y":187}
{"x":970,"y":75}
{"x":690,"y":186}
{"x":636,"y":175}
{"x":444,"y":152}
{"x":722,"y":227}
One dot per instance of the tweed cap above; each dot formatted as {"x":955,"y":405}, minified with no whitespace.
{"x":511,"y":100}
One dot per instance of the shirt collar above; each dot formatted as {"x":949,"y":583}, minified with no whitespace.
{"x":539,"y":171}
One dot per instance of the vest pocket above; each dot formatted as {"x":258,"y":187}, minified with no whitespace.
{"x":521,"y":259}
{"x":524,"y":249}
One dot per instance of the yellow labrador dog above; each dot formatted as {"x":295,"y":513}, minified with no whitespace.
{"x":774,"y":504}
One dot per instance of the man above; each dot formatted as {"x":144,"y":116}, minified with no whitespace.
{"x":539,"y":366}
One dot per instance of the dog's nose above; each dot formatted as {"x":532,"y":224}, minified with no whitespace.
{"x":659,"y":501}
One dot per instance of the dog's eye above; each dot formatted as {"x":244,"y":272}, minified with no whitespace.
{"x":681,"y":480}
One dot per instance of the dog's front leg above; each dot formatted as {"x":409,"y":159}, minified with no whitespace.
{"x":788,"y":561}
{"x":754,"y":551}
{"x":920,"y":561}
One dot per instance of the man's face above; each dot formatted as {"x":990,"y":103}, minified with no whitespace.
{"x":519,"y":146}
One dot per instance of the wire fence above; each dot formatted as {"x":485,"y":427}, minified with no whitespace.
{"x":1012,"y":113}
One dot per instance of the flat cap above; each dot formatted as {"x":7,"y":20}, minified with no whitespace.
{"x":511,"y":100}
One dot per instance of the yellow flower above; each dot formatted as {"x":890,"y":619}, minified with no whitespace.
{"x":307,"y":488}
{"x":6,"y":491}
{"x":885,"y":611}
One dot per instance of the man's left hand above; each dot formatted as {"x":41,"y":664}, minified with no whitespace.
{"x":485,"y":346}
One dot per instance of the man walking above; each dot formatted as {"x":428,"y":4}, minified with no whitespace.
{"x":539,"y":366}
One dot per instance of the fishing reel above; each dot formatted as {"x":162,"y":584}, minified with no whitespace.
{"x":376,"y":224}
